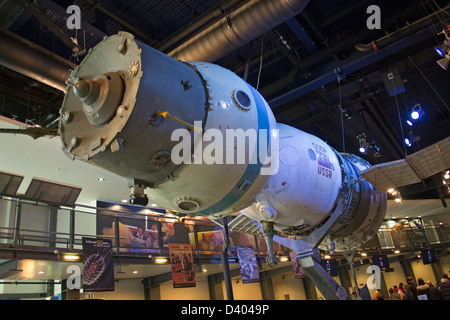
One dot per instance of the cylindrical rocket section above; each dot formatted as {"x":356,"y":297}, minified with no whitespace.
{"x":306,"y":187}
{"x":204,"y":142}
{"x":314,"y":183}
{"x":172,"y":127}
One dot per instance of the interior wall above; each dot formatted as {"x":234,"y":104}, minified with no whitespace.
{"x":124,"y":289}
{"x":394,"y":278}
{"x":287,"y":287}
{"x":243,"y":291}
{"x":424,"y":271}
{"x":199,"y":292}
{"x":7,"y":209}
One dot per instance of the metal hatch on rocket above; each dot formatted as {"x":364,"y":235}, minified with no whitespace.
{"x":160,"y":123}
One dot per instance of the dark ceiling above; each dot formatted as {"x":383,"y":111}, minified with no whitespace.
{"x":323,"y":71}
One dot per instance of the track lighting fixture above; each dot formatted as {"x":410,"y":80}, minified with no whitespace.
{"x":443,"y":50}
{"x":416,"y":112}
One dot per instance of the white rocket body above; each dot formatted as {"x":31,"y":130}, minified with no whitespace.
{"x":288,"y":177}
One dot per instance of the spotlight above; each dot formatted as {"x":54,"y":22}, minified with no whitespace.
{"x":444,"y":62}
{"x":362,"y":142}
{"x":441,"y":50}
{"x":408,"y":142}
{"x":416,"y":112}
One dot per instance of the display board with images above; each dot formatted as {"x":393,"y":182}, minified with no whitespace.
{"x":142,"y":229}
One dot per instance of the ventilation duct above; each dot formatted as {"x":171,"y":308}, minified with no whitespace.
{"x":237,"y":29}
{"x":218,"y":40}
{"x":31,"y":60}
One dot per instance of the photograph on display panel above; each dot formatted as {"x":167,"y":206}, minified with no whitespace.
{"x":248,"y":264}
{"x":182,"y":265}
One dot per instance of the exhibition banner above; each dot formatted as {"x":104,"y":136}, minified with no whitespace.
{"x":98,"y":265}
{"x":248,"y":264}
{"x":182,"y":265}
{"x":296,"y":266}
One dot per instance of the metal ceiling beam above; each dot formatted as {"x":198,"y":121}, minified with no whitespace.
{"x":137,"y":31}
{"x":57,"y":9}
{"x":38,"y":14}
{"x":302,"y":35}
{"x":326,"y":72}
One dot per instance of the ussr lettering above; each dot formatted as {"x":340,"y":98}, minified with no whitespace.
{"x":325,"y":167}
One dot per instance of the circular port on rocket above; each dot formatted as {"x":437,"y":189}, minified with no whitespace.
{"x":100,"y":97}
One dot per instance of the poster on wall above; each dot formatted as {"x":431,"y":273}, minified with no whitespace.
{"x":98,"y":265}
{"x":296,"y":266}
{"x":248,"y":264}
{"x":182,"y":265}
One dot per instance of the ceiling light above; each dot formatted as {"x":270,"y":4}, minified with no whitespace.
{"x":41,"y":272}
{"x":135,"y":272}
{"x":416,"y":112}
{"x":161,"y":260}
{"x":391,"y":190}
{"x":444,"y":62}
{"x":364,"y":254}
{"x":408,"y":142}
{"x":71,"y":257}
{"x":362,"y":142}
{"x":397,"y":251}
{"x":410,"y":123}
{"x":441,"y":50}
{"x":101,"y":179}
{"x":124,"y":201}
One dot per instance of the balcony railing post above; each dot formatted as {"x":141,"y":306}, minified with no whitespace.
{"x":72,"y":229}
{"x":116,"y":233}
{"x":17,"y":215}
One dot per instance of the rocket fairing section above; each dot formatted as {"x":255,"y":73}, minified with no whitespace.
{"x":201,"y":141}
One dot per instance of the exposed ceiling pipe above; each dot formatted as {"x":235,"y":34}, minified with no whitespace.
{"x":237,"y":29}
{"x":420,"y":24}
{"x":354,"y":41}
{"x":31,"y":60}
{"x":221,"y":38}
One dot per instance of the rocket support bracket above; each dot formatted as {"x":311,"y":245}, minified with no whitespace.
{"x":310,"y":262}
{"x":268,"y":236}
{"x":306,"y":248}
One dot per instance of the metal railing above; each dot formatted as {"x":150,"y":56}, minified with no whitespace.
{"x":25,"y":223}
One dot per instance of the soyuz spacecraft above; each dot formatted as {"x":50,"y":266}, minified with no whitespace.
{"x":160,"y":123}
